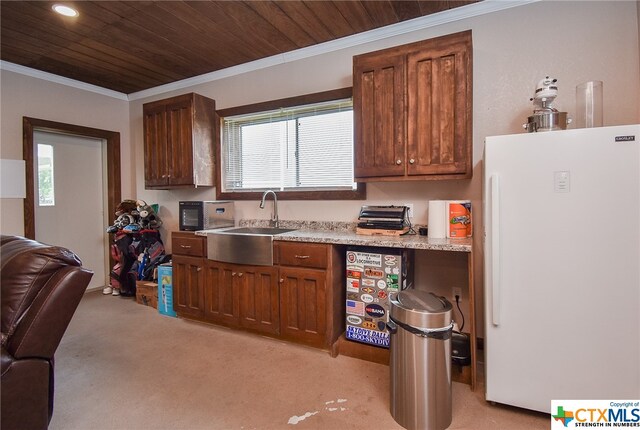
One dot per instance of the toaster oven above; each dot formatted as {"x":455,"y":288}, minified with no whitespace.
{"x":206,"y":215}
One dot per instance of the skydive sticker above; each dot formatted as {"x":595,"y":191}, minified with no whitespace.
{"x":380,"y":338}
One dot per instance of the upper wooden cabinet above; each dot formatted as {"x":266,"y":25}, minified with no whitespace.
{"x":178,"y":142}
{"x":413,"y":111}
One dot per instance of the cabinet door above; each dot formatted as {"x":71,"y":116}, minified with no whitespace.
{"x":179,"y":140}
{"x":379,"y":111}
{"x":221,"y":294}
{"x":155,"y":146}
{"x":439,"y":107}
{"x":188,"y":282}
{"x":259,"y":304}
{"x":303,"y":315}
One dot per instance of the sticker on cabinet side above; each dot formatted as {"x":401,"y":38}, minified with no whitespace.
{"x":373,"y":337}
{"x":355,"y":308}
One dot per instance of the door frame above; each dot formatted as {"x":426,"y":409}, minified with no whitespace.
{"x":112,"y":138}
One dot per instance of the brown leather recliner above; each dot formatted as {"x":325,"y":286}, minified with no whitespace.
{"x":41,"y":288}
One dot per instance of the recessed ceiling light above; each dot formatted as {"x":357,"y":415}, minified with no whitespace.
{"x":64,"y":10}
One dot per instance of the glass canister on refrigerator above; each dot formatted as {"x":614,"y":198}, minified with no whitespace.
{"x":372,"y":275}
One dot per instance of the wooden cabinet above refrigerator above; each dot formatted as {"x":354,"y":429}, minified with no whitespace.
{"x":178,"y":142}
{"x":413,"y":111}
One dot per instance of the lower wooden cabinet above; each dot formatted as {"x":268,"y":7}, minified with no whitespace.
{"x":221,"y":294}
{"x":312,"y":293}
{"x":259,"y":305}
{"x":303,"y":306}
{"x":188,"y":274}
{"x":237,"y":295}
{"x":300,"y":298}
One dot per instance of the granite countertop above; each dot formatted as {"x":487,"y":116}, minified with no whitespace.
{"x":342,"y":233}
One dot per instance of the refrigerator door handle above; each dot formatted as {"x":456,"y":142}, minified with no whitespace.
{"x":495,"y":249}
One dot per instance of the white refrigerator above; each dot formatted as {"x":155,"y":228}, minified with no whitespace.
{"x":562,"y":266}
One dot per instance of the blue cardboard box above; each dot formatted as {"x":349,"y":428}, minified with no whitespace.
{"x":165,"y":290}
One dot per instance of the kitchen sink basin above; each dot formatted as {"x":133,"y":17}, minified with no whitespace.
{"x":243,"y":245}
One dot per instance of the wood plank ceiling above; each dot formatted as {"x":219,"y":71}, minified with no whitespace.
{"x":129,"y":46}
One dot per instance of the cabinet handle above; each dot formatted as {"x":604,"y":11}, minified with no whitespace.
{"x":240,"y":275}
{"x":302,"y":257}
{"x":281,"y":280}
{"x":398,"y":161}
{"x":233,"y":273}
{"x":412,"y":161}
{"x":185,"y":246}
{"x":198,"y":269}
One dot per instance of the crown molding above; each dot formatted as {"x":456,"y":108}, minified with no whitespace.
{"x":460,"y":13}
{"x":39,"y":74}
{"x":464,"y":12}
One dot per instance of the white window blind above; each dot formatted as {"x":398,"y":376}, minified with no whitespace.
{"x":306,"y":147}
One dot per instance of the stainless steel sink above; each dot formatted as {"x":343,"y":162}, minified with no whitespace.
{"x":243,"y":245}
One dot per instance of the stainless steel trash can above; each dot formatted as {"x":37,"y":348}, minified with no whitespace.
{"x":420,"y":324}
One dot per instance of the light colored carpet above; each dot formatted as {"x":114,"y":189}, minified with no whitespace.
{"x":124,"y":366}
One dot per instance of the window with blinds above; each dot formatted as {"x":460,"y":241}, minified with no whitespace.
{"x":302,"y":148}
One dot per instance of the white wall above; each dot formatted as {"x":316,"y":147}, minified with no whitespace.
{"x":36,"y":98}
{"x":572,"y":41}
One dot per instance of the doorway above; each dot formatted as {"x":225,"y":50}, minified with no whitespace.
{"x":69,"y":209}
{"x":112,"y":186}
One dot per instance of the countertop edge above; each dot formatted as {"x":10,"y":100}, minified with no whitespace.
{"x":350,"y":238}
{"x":337,"y":237}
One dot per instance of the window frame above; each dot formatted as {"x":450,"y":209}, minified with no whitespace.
{"x":358,"y":194}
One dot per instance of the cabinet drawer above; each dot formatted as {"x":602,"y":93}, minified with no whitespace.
{"x":188,"y":244}
{"x":302,"y":254}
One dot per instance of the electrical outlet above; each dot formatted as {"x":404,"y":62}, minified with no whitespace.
{"x":409,"y":210}
{"x":456,"y":291}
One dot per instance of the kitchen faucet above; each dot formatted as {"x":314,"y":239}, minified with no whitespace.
{"x":274,"y":218}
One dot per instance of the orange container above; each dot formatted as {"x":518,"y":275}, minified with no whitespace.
{"x":459,"y":219}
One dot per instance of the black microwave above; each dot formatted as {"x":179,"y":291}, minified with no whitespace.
{"x":205,"y":215}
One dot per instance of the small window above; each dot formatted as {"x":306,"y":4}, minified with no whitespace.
{"x":291,"y":149}
{"x":46,"y":195}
